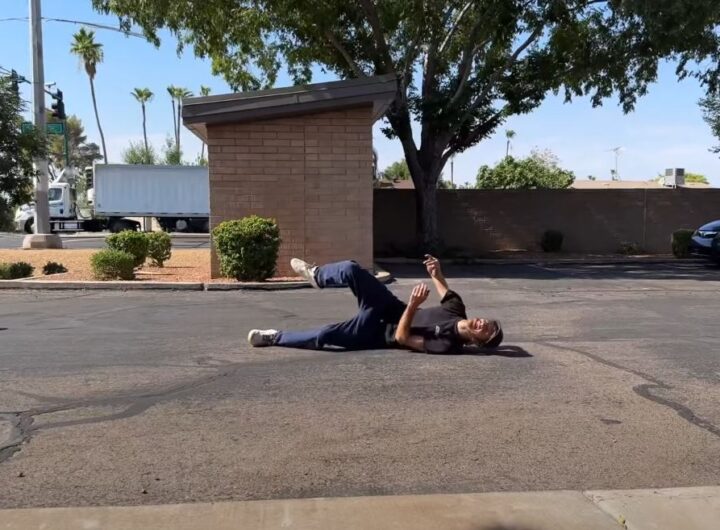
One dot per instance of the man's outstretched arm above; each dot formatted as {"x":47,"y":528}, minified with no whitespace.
{"x":403,"y":335}
{"x":433,"y":268}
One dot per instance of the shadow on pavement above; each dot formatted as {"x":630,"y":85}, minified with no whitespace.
{"x":689,"y":270}
{"x":501,"y":351}
{"x":496,"y":526}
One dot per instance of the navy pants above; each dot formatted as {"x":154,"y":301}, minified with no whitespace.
{"x":366,"y":330}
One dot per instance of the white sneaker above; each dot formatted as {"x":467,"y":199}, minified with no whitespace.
{"x":306,"y":270}
{"x":262,"y":337}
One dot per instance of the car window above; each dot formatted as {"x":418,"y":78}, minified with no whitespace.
{"x":711,"y":227}
{"x":54,"y":194}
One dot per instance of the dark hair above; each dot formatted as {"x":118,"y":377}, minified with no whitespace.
{"x":497,"y":337}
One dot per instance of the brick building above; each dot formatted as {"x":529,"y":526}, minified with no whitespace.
{"x":302,"y":155}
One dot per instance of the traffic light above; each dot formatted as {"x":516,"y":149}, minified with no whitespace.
{"x":14,"y":82}
{"x":58,"y":107}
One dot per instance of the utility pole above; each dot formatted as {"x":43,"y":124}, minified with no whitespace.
{"x":452,"y":170}
{"x":42,"y":238}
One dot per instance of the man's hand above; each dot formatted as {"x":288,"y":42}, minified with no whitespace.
{"x":419,"y":294}
{"x":432,"y":265}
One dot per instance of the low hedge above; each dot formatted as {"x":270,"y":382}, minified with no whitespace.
{"x":680,"y":242}
{"x":112,"y":264}
{"x":248,"y":248}
{"x":16,"y":270}
{"x":134,"y":243}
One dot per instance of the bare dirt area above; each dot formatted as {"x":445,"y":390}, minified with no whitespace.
{"x":185,"y":265}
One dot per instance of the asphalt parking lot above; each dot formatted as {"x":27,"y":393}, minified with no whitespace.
{"x":610,"y":378}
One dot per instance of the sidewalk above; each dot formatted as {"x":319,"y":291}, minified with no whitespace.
{"x":669,"y":509}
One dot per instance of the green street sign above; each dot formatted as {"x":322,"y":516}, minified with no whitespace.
{"x":55,"y":128}
{"x":50,"y":128}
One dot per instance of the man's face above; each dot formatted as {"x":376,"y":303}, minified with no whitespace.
{"x":482,"y":329}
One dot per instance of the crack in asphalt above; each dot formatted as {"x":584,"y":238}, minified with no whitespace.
{"x":24,"y":423}
{"x":645,"y":390}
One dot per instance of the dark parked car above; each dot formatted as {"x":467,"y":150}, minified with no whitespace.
{"x":702,"y":238}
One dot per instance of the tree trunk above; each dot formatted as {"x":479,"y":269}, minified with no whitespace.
{"x":179,"y":119}
{"x":174,"y":121}
{"x":426,"y":214}
{"x":425,"y":165}
{"x":97,"y":119}
{"x":144,"y":130}
{"x":202,"y":151}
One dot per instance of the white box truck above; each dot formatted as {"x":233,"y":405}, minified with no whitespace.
{"x":177,"y":196}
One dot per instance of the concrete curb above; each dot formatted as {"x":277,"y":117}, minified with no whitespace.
{"x":109,"y":285}
{"x":686,"y":508}
{"x":255,"y":286}
{"x":27,"y":283}
{"x":550,"y":261}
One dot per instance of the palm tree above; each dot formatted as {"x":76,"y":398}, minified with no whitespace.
{"x":180,"y":94}
{"x":143,"y":95}
{"x":172,"y":90}
{"x":177,"y":94}
{"x":509,"y":134}
{"x":204,"y":91}
{"x":90,"y":54}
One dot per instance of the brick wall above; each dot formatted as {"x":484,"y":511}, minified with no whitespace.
{"x":477,"y":222}
{"x":313,"y":173}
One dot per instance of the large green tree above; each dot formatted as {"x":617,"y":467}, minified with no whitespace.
{"x":711,"y":112}
{"x":90,"y":54}
{"x":538,"y":171}
{"x":17,"y":150}
{"x":397,"y":171}
{"x":463,"y":66}
{"x":81,"y":154}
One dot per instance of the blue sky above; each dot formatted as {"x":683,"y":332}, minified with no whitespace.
{"x":666,"y":129}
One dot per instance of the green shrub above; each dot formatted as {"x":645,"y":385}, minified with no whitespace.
{"x":552,"y":241}
{"x":681,"y":243}
{"x":54,"y":268}
{"x":132,"y":242}
{"x":111,"y":264}
{"x":248,"y":248}
{"x":13,"y":271}
{"x":159,"y":248}
{"x":629,"y":248}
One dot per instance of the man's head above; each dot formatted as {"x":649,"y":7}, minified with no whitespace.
{"x":482,"y":332}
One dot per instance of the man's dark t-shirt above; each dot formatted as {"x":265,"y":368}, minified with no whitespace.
{"x":437,"y":325}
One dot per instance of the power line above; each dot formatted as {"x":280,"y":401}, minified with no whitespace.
{"x":79,"y":22}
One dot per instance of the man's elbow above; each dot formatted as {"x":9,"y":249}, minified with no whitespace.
{"x":401,"y":339}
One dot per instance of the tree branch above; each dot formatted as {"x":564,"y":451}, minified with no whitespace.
{"x":341,"y":49}
{"x":466,"y":64}
{"x":480,"y":130}
{"x":454,"y":26}
{"x":413,"y":49}
{"x":496,"y":75}
{"x":378,"y":34}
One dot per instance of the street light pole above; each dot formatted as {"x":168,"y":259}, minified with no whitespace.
{"x":42,"y":238}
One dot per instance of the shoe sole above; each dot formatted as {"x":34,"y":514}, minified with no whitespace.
{"x":252,"y":339}
{"x":303,"y":269}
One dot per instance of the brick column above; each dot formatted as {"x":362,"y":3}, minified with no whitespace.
{"x":313,"y":173}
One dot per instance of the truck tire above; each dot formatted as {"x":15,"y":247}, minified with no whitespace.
{"x":119,"y":225}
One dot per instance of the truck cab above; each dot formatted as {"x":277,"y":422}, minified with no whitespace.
{"x":63,"y":201}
